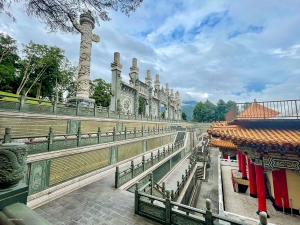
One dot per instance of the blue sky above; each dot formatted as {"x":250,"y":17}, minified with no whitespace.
{"x":234,"y":50}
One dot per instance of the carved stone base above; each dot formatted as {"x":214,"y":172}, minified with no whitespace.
{"x":86,"y":102}
{"x":13,"y":195}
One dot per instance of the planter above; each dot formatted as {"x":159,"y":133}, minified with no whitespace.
{"x":12,"y":164}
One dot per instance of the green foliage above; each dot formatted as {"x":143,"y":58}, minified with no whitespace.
{"x":142,"y":106}
{"x":100,"y":91}
{"x":208,"y":112}
{"x":183,"y":115}
{"x":41,"y":71}
{"x":8,"y":62}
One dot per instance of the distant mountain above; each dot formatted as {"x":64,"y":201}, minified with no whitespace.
{"x":187,"y":108}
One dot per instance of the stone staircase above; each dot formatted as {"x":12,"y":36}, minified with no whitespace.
{"x":180,"y":136}
{"x":200,"y":172}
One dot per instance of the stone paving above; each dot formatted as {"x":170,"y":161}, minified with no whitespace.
{"x":176,"y":175}
{"x":243,"y":204}
{"x":209,"y":186}
{"x":98,"y":203}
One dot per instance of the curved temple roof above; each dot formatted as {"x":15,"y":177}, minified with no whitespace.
{"x":258,"y":136}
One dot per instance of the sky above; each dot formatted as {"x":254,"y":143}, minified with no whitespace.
{"x":232,"y":50}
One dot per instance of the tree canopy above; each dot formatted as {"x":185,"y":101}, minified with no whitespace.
{"x":41,"y":70}
{"x":183,"y":115}
{"x":56,"y":14}
{"x":208,"y":112}
{"x":99,"y":90}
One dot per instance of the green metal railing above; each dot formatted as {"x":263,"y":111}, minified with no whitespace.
{"x":52,"y":142}
{"x":25,"y":104}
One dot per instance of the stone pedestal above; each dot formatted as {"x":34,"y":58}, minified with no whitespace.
{"x":12,"y":171}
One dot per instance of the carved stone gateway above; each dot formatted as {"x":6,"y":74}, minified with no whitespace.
{"x":87,"y":24}
{"x":124,"y":96}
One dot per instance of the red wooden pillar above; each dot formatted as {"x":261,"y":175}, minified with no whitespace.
{"x":239,"y":161}
{"x":280,"y":189}
{"x":252,"y":179}
{"x":243,"y":164}
{"x":261,"y":192}
{"x":225,"y":156}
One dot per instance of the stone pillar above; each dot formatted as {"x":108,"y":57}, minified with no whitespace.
{"x":244,"y":168}
{"x":167,"y":112}
{"x":252,"y":179}
{"x":87,"y":24}
{"x":280,"y":189}
{"x":116,"y":69}
{"x":13,"y":170}
{"x":148,"y":81}
{"x":261,"y":192}
{"x":134,"y":80}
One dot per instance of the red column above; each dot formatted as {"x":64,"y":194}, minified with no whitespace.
{"x":280,"y":188}
{"x":252,"y":179}
{"x":225,"y":156}
{"x":244,"y":170}
{"x":261,"y":192}
{"x":239,"y":161}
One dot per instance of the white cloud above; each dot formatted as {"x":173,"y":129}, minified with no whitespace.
{"x":230,"y":50}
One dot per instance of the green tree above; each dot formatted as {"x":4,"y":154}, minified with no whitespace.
{"x":56,"y":14}
{"x":221,"y":110}
{"x":142,"y":106}
{"x":210,"y":111}
{"x":183,"y":115}
{"x":39,"y":68}
{"x":101,"y":92}
{"x":8,"y":63}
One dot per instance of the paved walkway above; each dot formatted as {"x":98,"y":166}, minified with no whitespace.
{"x":209,"y":186}
{"x":98,"y":203}
{"x":245,"y":205}
{"x":176,"y":175}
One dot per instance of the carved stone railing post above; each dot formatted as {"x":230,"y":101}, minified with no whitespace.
{"x":152,"y":163}
{"x":134,"y":130}
{"x":263,"y":218}
{"x":50,"y":139}
{"x":142,"y":131}
{"x":79,"y":137}
{"x":125,"y":133}
{"x":168,"y":208}
{"x":22,"y":100}
{"x":13,"y":168}
{"x":208,"y":216}
{"x":99,"y":135}
{"x":7,"y":135}
{"x":117,"y":177}
{"x":114,"y":134}
{"x":136,"y":198}
{"x":132,"y":168}
{"x":143,"y":163}
{"x":152,"y":183}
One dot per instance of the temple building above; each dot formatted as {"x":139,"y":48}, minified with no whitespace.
{"x":265,"y":138}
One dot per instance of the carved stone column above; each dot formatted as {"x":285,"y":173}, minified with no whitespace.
{"x":134,"y":80}
{"x":116,"y":69}
{"x":87,"y":24}
{"x":13,"y":169}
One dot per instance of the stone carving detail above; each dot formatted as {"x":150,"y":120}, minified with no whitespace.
{"x":12,"y":163}
{"x":38,"y":177}
{"x":87,"y":24}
